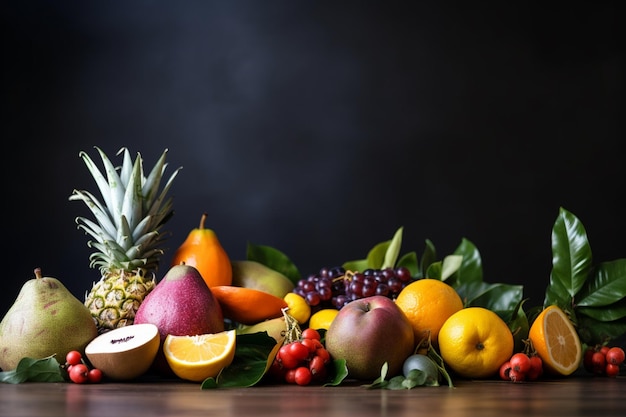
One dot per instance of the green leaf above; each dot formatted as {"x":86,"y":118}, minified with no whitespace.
{"x":610,"y":312}
{"x":428,"y":257}
{"x":274,"y":259}
{"x":495,"y":297}
{"x":409,"y":260}
{"x":451,"y":264}
{"x":339,"y":372}
{"x":471,"y":270}
{"x":380,"y":381}
{"x":593,"y":331}
{"x":356,"y":265}
{"x":254,"y":354}
{"x":571,"y":257}
{"x":393,"y":251}
{"x":434,"y":270}
{"x":376,"y":255}
{"x":34,"y":370}
{"x":606,"y":286}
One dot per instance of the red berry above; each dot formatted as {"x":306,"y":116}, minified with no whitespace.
{"x":94,"y":375}
{"x":611,"y":370}
{"x":615,"y":355}
{"x":598,"y":361}
{"x":73,"y":357}
{"x":536,"y":368}
{"x":587,"y":359}
{"x":303,"y":376}
{"x":516,"y":376}
{"x":520,"y":362}
{"x":310,"y":333}
{"x":290,"y":376}
{"x":323,"y":353}
{"x":505,"y":368}
{"x":78,"y":373}
{"x":299,"y":351}
{"x":604,"y":349}
{"x":317,"y":367}
{"x":287,"y":360}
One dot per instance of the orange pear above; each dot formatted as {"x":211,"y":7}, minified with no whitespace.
{"x":203,"y":250}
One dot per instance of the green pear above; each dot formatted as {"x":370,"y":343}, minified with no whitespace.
{"x":255,"y":275}
{"x":45,"y":320}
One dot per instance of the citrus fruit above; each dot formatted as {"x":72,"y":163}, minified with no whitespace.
{"x":427,"y":303}
{"x":474,"y":342}
{"x":321,"y":319}
{"x":247,"y":305}
{"x":556,"y":341}
{"x":196,"y":358}
{"x":299,"y":309}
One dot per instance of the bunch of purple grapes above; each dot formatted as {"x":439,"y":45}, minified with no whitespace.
{"x":335,"y":287}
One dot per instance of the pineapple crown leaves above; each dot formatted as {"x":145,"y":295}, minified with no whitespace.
{"x":127,"y":221}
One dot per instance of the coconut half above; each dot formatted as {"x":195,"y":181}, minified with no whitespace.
{"x":126,"y":352}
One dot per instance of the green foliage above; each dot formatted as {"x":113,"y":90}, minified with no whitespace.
{"x":594,"y":297}
{"x":34,"y":370}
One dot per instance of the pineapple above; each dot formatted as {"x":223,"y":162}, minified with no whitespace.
{"x":126,"y":235}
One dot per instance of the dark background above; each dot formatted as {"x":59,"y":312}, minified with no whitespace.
{"x":319,"y":128}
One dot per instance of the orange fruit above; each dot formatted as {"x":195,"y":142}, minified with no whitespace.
{"x":427,"y":303}
{"x":203,"y":250}
{"x":247,"y":305}
{"x":474,"y":342}
{"x":556,"y":341}
{"x":196,"y":358}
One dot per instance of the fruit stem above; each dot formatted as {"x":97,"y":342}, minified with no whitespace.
{"x":293,"y":332}
{"x":202,"y":220}
{"x":38,"y":273}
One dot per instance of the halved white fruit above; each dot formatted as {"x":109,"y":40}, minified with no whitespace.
{"x":126,"y":352}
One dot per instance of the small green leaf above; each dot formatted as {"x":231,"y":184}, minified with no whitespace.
{"x":339,"y":371}
{"x":451,"y":264}
{"x":428,"y":257}
{"x":376,"y":255}
{"x":471,"y":270}
{"x":357,"y":265}
{"x":254,"y":354}
{"x":274,"y":259}
{"x":409,"y":260}
{"x":34,"y":370}
{"x":380,"y":381}
{"x":393,"y":251}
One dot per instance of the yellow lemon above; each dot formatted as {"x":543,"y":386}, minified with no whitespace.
{"x":474,"y":342}
{"x":196,"y":358}
{"x":321,"y":319}
{"x":299,"y":309}
{"x":556,"y":341}
{"x":427,"y":303}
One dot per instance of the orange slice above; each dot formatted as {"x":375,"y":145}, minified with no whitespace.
{"x":196,"y":358}
{"x":556,"y":341}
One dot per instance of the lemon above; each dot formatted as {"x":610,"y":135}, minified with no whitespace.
{"x":322,"y":318}
{"x":299,"y":309}
{"x":474,"y":342}
{"x":196,"y":358}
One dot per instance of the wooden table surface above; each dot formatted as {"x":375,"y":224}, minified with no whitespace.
{"x":571,"y":396}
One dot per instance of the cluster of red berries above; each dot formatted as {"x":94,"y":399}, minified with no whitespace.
{"x":302,"y":362}
{"x":78,"y":371}
{"x":522,"y":367}
{"x":603,"y":360}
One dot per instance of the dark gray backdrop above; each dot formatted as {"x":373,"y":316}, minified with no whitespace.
{"x":319,"y":128}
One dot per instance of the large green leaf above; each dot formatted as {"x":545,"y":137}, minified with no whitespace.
{"x":495,"y":297}
{"x":610,"y":312}
{"x":275,"y":259}
{"x":608,"y":285}
{"x":571,"y":256}
{"x":593,"y":331}
{"x":393,"y":251}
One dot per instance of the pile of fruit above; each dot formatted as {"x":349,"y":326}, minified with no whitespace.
{"x":388,"y":319}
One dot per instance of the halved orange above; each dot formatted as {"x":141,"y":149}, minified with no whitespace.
{"x":196,"y":358}
{"x":556,"y":341}
{"x":247,"y":305}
